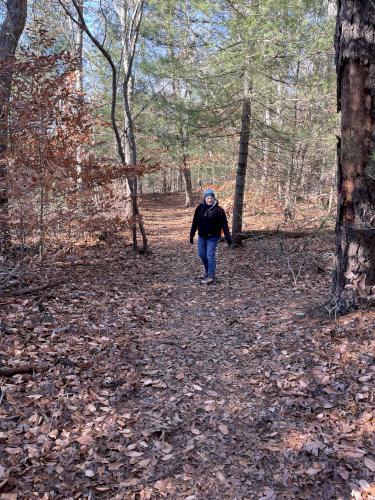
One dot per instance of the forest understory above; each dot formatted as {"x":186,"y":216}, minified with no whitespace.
{"x":145,"y":384}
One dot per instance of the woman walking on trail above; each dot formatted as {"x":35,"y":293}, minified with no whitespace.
{"x":210,"y":220}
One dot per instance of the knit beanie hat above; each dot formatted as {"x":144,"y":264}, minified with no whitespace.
{"x":209,"y":192}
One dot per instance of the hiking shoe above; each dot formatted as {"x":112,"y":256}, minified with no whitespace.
{"x":203,"y":277}
{"x":208,"y":281}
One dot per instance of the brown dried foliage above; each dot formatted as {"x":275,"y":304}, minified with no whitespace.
{"x":58,"y":194}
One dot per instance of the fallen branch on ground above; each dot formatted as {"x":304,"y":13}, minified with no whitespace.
{"x":275,"y":232}
{"x":34,"y":289}
{"x":18,"y":370}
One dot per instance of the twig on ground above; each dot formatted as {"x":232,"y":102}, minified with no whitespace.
{"x":34,"y":289}
{"x":174,"y":344}
{"x":2,"y":394}
{"x":269,"y":233}
{"x":330,"y":309}
{"x":295,"y":277}
{"x":18,"y":370}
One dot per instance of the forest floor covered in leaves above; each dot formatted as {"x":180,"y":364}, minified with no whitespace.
{"x":147,"y":384}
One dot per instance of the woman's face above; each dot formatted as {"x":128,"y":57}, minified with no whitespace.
{"x":209,"y":200}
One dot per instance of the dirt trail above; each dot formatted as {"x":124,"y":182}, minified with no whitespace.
{"x":163,"y":388}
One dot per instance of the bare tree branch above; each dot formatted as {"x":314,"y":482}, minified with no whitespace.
{"x":82,"y":24}
{"x":235,"y":8}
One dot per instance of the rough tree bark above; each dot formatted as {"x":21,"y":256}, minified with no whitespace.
{"x":184,"y":142}
{"x":242,"y":166}
{"x":354,"y":276}
{"x":185,"y":170}
{"x":10,"y":32}
{"x":188,"y":185}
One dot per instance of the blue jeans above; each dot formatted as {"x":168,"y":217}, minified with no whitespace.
{"x":207,"y":253}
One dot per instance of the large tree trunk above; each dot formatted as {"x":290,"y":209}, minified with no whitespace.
{"x":10,"y":32}
{"x":131,"y":18}
{"x":78,"y":52}
{"x":241,"y":172}
{"x":130,"y":43}
{"x":355,"y":227}
{"x":131,"y":160}
{"x":131,"y":207}
{"x":78,"y":49}
{"x":180,"y":180}
{"x":188,"y":185}
{"x":130,"y":147}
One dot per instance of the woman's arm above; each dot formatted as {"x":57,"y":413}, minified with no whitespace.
{"x":194,"y":225}
{"x":226,"y":228}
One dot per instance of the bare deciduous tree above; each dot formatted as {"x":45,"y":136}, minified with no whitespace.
{"x":127,"y":150}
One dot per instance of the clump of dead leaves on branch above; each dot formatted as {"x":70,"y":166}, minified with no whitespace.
{"x":59,"y":191}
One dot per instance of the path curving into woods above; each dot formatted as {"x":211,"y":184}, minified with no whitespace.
{"x":159,"y":387}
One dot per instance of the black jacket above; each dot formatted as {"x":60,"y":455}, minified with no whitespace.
{"x":210,"y":220}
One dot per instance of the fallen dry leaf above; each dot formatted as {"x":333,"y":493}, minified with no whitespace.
{"x":3,"y":472}
{"x":370,"y":464}
{"x":134,"y":454}
{"x":137,"y":342}
{"x":223,"y":429}
{"x":85,"y":439}
{"x":13,"y":451}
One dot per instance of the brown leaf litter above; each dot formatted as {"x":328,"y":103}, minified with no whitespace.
{"x":154,"y":386}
